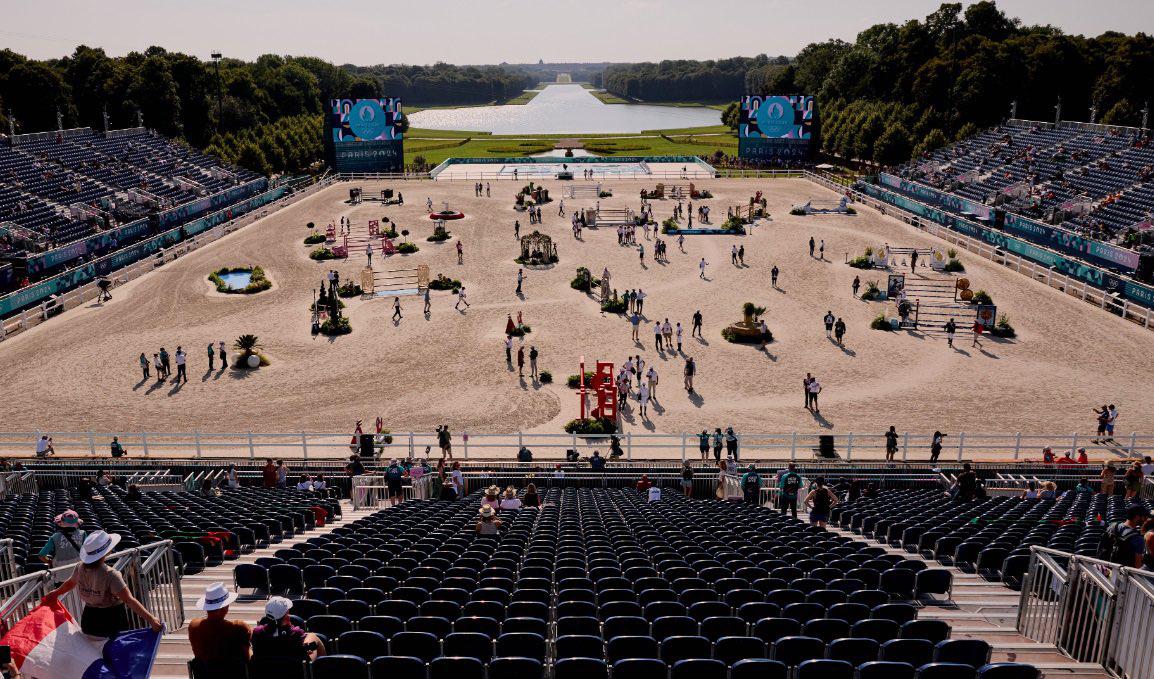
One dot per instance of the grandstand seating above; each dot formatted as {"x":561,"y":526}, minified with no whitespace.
{"x":1110,"y":169}
{"x":991,"y":536}
{"x":205,"y":528}
{"x":598,"y":580}
{"x":41,"y":178}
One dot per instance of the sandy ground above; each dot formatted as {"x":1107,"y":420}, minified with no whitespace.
{"x":80,"y":371}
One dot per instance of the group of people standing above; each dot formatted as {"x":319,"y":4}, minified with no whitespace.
{"x":162,"y":362}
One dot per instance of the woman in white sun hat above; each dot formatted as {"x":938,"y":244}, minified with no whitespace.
{"x":103,"y":590}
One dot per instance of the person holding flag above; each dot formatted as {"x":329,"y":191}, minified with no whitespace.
{"x":106,"y":597}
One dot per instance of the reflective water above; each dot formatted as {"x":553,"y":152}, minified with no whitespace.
{"x":565,"y":109}
{"x":237,"y":280}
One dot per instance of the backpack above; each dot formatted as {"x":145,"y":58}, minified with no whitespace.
{"x":791,"y":484}
{"x":1113,"y":547}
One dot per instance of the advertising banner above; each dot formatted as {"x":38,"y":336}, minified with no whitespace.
{"x":776,"y":127}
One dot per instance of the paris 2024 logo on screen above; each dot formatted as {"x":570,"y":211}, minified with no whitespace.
{"x":356,"y":120}
{"x":776,"y":117}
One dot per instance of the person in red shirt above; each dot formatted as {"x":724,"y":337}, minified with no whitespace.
{"x":1082,"y":457}
{"x":268,"y":475}
{"x":644,"y":484}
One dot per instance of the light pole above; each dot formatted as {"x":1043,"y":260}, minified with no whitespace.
{"x":216,"y":57}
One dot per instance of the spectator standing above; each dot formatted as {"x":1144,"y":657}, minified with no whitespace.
{"x":216,"y":639}
{"x":1133,"y":479}
{"x":144,"y":364}
{"x":63,"y":546}
{"x":718,"y":440}
{"x":967,"y":484}
{"x":751,"y":486}
{"x":819,"y":501}
{"x":1122,"y":542}
{"x":268,"y":474}
{"x":731,"y":443}
{"x":282,"y":472}
{"x":936,"y":446}
{"x":703,"y":444}
{"x":891,"y":443}
{"x":394,"y":478}
{"x":687,"y":477}
{"x":103,"y":591}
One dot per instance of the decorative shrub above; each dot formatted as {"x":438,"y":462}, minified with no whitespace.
{"x":862,"y":262}
{"x":322,"y":253}
{"x":605,"y":194}
{"x":257,"y":281}
{"x":729,"y":335}
{"x":340,"y":327}
{"x":872,"y":291}
{"x":349,"y":289}
{"x":952,"y":253}
{"x":313,"y":239}
{"x":1003,"y":327}
{"x":391,"y":232}
{"x":584,"y":281}
{"x":521,"y":331}
{"x":954,"y":266}
{"x":247,"y":345}
{"x":537,"y":260}
{"x":573,"y":381}
{"x":734,"y":225}
{"x":441,"y":282}
{"x":797,"y":211}
{"x":880,"y":322}
{"x":384,"y":436}
{"x":591,"y":426}
{"x":407,"y":248}
{"x":439,"y":236}
{"x":613,"y":306}
{"x":981,"y":297}
{"x":670,"y":226}
{"x":704,"y":193}
{"x":545,"y":376}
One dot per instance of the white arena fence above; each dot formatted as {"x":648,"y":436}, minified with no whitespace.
{"x":912,"y":447}
{"x":1115,"y":304}
{"x":1094,"y":611}
{"x":150,"y":571}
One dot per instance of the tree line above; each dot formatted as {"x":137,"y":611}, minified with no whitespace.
{"x":686,"y":80}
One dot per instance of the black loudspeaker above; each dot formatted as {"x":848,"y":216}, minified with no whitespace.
{"x":366,"y":446}
{"x":999,"y":219}
{"x":825,"y":446}
{"x":1145,"y":272}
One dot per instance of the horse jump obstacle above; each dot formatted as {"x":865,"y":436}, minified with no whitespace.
{"x":391,"y":282}
{"x":614,"y":216}
{"x":583,"y":191}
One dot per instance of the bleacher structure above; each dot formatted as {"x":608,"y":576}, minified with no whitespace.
{"x":57,"y":188}
{"x":599,"y":581}
{"x":1095,"y":181}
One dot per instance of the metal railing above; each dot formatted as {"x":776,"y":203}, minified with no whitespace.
{"x":149,"y":571}
{"x":1092,"y":610}
{"x":913,"y":447}
{"x":18,"y":483}
{"x":8,"y":567}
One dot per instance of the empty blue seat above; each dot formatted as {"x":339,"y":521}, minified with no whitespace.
{"x":340,"y":667}
{"x":758,"y":669}
{"x":639,"y":668}
{"x":698,"y":668}
{"x":456,"y":668}
{"x":524,"y":668}
{"x":883,"y":669}
{"x":576,"y":668}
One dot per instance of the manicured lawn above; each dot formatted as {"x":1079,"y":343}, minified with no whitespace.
{"x":524,"y":98}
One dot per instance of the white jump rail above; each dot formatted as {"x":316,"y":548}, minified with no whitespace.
{"x":913,"y":447}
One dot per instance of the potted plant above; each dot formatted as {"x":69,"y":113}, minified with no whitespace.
{"x":250,"y":357}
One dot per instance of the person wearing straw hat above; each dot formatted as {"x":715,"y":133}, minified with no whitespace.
{"x":492,"y":498}
{"x":102,"y":590}
{"x":509,"y":499}
{"x":276,"y":636}
{"x":487,"y":521}
{"x":63,"y":547}
{"x":215,"y":639}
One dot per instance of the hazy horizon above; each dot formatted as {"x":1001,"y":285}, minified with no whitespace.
{"x":361,"y":33}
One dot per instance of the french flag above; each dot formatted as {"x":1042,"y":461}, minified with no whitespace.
{"x":48,"y":644}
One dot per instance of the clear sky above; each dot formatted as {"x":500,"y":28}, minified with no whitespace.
{"x":367,"y":32}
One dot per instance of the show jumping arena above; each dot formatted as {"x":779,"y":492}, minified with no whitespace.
{"x":79,"y":372}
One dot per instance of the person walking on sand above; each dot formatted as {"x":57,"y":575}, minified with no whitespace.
{"x":951,"y":328}
{"x":696,"y":331}
{"x":461,"y":299}
{"x":517,"y":228}
{"x":773,"y":275}
{"x":397,"y":309}
{"x":369,"y":254}
{"x":509,"y":350}
{"x":521,"y":361}
{"x":164,"y":362}
{"x":428,"y":303}
{"x":828,"y":321}
{"x":681,"y":242}
{"x":690,"y":370}
{"x":701,"y":265}
{"x":812,"y":243}
{"x":159,"y":367}
{"x":856,"y":285}
{"x":211,"y":356}
{"x":520,"y":279}
{"x":223,"y":358}
{"x":977,"y":334}
{"x":805,"y":389}
{"x":821,"y":250}
{"x":144,"y":363}
{"x":733,"y":255}
{"x":635,"y":320}
{"x":741,"y":255}
{"x":460,"y":253}
{"x":533,"y":362}
{"x":678,"y":333}
{"x":657,"y":345}
{"x":651,"y":379}
{"x":488,"y":194}
{"x":839,"y":331}
{"x":639,"y":301}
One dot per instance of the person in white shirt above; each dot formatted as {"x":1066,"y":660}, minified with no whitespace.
{"x":44,"y":446}
{"x":678,"y":333}
{"x":651,"y":378}
{"x":509,"y":499}
{"x":304,"y":484}
{"x":701,"y":265}
{"x":319,"y":483}
{"x":181,"y":373}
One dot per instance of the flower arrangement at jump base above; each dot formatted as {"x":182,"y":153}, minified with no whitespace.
{"x":440,"y":233}
{"x":405,"y":247}
{"x":257,"y":281}
{"x":748,"y":330}
{"x":584,"y":280}
{"x":250,"y":356}
{"x":443,"y":282}
{"x":591,"y":426}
